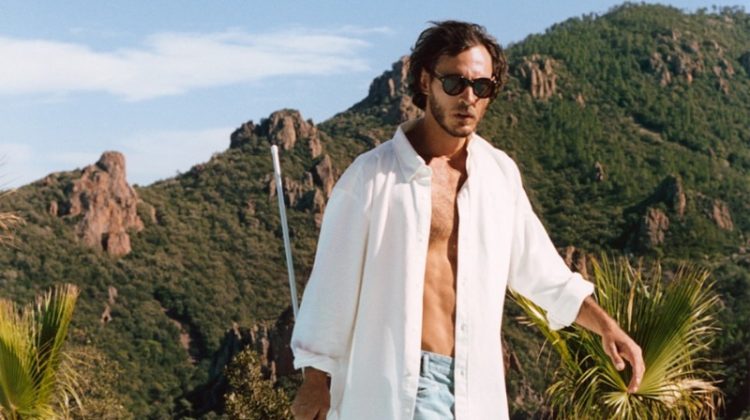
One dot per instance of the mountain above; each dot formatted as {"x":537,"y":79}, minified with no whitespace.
{"x":631,"y":129}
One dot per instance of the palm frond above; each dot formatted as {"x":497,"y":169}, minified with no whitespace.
{"x":31,"y":354}
{"x":674,"y":323}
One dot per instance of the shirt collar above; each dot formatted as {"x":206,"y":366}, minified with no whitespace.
{"x":409,"y":159}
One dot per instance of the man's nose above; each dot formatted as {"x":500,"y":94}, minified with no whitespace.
{"x":468,"y":95}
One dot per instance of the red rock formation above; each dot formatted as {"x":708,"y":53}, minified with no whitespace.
{"x":242,"y":135}
{"x":600,"y":174}
{"x":106,"y":316}
{"x":581,"y":101}
{"x":389,"y":95}
{"x":721,"y":215}
{"x":323,"y":174}
{"x":672,"y":193}
{"x":658,"y":66}
{"x":112,"y":294}
{"x":654,"y":227}
{"x":680,"y":56}
{"x":285,"y":127}
{"x":107,"y":204}
{"x":319,"y":206}
{"x":539,"y":75}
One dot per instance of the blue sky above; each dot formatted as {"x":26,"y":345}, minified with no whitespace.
{"x":166,"y":82}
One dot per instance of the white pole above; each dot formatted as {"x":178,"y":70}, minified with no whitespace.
{"x":284,"y":228}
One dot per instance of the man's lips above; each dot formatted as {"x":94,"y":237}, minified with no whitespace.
{"x":464,"y":115}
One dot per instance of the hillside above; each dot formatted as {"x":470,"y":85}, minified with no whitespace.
{"x":632,"y":131}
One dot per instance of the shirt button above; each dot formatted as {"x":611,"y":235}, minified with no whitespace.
{"x":463,"y":327}
{"x":461,"y":372}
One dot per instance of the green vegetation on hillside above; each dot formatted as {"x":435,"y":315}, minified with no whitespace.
{"x":211,"y":252}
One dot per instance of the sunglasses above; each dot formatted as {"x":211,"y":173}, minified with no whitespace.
{"x":454,"y":84}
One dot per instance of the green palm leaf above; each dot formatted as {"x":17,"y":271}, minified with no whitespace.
{"x":33,"y":377}
{"x":673,"y":322}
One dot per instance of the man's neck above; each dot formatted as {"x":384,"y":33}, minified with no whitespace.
{"x":430,"y":140}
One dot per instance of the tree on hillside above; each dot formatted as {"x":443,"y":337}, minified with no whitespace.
{"x":96,"y":384}
{"x":35,"y":379}
{"x":250,"y":396}
{"x":674,"y":323}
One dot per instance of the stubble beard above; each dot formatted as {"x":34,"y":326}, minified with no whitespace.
{"x":438,"y":112}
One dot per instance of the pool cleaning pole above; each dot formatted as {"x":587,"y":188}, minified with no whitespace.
{"x":284,"y":228}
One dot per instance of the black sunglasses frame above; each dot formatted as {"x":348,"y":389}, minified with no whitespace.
{"x":464,"y":82}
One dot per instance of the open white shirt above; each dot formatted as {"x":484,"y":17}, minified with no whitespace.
{"x":361,"y":313}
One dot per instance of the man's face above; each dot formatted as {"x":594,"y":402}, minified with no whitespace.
{"x":458,"y":115}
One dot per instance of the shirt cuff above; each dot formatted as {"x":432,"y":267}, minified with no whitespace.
{"x":565,"y":310}
{"x":304,"y":359}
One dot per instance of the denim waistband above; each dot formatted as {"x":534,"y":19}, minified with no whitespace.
{"x":436,"y":363}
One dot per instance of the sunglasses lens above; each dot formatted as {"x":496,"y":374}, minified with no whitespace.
{"x":483,"y":87}
{"x":453,"y":85}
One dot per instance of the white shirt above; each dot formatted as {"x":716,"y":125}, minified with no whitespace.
{"x":361,"y":313}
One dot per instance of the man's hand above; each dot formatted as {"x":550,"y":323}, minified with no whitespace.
{"x":617,"y":344}
{"x":313,"y":398}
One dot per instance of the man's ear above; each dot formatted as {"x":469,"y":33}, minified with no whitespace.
{"x":424,"y":82}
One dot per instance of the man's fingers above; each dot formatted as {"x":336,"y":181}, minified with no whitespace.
{"x":615,"y":355}
{"x":321,"y":415}
{"x":639,"y":368}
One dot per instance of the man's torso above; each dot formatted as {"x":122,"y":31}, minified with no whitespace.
{"x":439,"y":302}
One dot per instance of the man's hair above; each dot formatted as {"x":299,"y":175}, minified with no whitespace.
{"x":451,"y":38}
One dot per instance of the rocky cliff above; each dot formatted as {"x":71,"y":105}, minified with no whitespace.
{"x":389,"y":97}
{"x":104,"y":204}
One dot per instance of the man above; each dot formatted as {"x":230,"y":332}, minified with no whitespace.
{"x":420,"y":239}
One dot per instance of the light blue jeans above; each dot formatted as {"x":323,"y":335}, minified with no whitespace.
{"x":435,"y":398}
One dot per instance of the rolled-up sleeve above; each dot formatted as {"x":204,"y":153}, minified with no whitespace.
{"x":323,"y":329}
{"x":538,"y":272}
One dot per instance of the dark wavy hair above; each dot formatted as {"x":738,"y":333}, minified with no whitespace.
{"x":451,"y":38}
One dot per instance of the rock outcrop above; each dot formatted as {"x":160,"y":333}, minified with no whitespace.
{"x":285,"y":128}
{"x":323,"y":174}
{"x":599,"y":172}
{"x":539,"y":76}
{"x":106,"y":205}
{"x":654,"y":226}
{"x":242,"y":135}
{"x":721,"y":215}
{"x":312,"y":192}
{"x":681,"y":56}
{"x":268,"y":339}
{"x":289,"y":130}
{"x":716,"y":210}
{"x":106,"y":316}
{"x":581,"y":100}
{"x":389,"y":95}
{"x":672,"y":193}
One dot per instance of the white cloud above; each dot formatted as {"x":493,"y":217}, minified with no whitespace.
{"x":360,"y":31}
{"x":151,"y":156}
{"x":174,"y":63}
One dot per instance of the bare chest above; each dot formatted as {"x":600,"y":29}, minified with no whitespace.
{"x":446,"y":182}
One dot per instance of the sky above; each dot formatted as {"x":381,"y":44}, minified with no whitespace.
{"x":166,"y":82}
